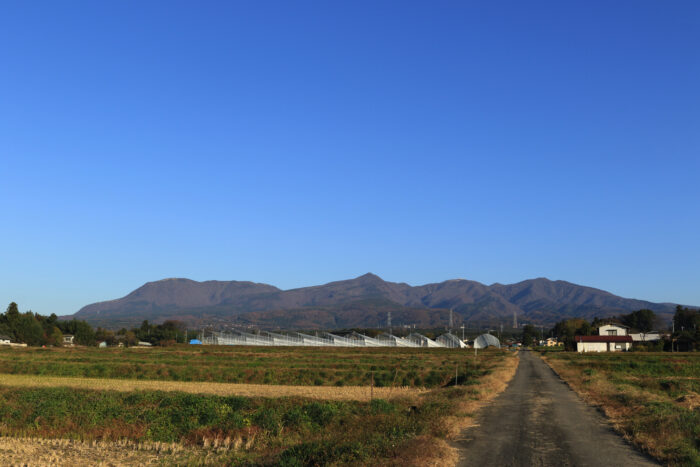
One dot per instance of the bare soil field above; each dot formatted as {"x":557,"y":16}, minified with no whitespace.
{"x":347,"y":393}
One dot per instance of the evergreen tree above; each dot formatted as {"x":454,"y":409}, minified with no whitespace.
{"x":29,"y":330}
{"x":641,"y":320}
{"x":529,"y":335}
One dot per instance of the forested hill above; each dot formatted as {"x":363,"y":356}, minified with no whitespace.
{"x":361,"y":302}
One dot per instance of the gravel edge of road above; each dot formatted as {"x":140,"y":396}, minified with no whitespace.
{"x":478,"y":406}
{"x":600,"y":409}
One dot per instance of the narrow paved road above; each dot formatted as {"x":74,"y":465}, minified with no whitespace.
{"x":539,"y":421}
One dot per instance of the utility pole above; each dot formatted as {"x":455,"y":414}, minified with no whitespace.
{"x":515,"y":321}
{"x":388,"y":321}
{"x":462,"y":332}
{"x":450,"y":320}
{"x":673,"y":331}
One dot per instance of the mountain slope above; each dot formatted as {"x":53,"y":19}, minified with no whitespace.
{"x":360,"y":302}
{"x":169,"y":295}
{"x":561,"y":297}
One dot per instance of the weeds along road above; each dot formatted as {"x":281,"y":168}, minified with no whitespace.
{"x":539,"y":421}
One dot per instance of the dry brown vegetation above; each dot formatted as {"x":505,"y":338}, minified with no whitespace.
{"x":131,"y":421}
{"x":355,"y":393}
{"x":645,"y":403}
{"x":45,"y":452}
{"x":491,"y":386}
{"x":437,"y":451}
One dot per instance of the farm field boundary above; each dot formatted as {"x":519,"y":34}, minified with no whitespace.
{"x":466,"y":410}
{"x":348,"y":393}
{"x":651,"y":399}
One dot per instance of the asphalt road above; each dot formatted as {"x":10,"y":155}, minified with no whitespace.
{"x":539,"y":421}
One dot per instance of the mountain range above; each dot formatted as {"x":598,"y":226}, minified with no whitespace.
{"x":361,"y":302}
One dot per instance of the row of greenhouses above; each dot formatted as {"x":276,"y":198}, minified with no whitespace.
{"x":353,"y":339}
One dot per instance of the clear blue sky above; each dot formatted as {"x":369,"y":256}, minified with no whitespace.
{"x":297,"y":143}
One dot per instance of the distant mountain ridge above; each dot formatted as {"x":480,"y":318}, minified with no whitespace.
{"x":361,"y":302}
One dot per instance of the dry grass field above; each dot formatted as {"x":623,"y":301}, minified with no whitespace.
{"x":49,"y":452}
{"x":344,"y":393}
{"x":63,"y":420}
{"x":652,"y":399}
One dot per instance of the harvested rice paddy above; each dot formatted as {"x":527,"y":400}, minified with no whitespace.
{"x":290,"y":366}
{"x":229,"y":406}
{"x":347,"y":393}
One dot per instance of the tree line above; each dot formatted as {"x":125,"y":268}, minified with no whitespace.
{"x":684,"y":335}
{"x":36,"y":330}
{"x":686,"y":328}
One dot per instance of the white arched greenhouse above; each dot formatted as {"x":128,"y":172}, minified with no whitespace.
{"x":486,"y":340}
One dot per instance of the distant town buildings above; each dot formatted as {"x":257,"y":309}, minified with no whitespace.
{"x":6,"y":340}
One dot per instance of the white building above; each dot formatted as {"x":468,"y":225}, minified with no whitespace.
{"x":4,"y":340}
{"x":646,"y":336}
{"x":610,"y":338}
{"x":603,"y":343}
{"x":552,"y":342}
{"x":613,"y":330}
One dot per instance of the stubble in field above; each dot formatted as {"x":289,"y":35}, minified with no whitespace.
{"x":349,"y":393}
{"x":45,"y":452}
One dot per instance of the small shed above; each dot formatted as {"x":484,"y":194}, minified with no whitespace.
{"x":68,"y":339}
{"x":5,"y":340}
